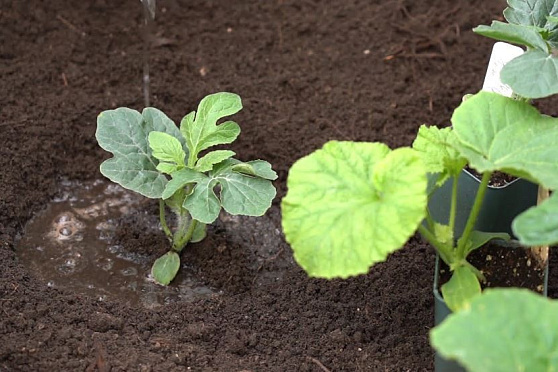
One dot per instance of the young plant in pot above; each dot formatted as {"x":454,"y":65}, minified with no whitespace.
{"x":149,"y":148}
{"x":351,"y":204}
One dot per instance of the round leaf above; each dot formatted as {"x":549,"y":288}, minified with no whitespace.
{"x":165,"y":268}
{"x":351,"y":204}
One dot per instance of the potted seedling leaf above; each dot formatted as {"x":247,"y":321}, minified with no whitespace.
{"x":160,"y":161}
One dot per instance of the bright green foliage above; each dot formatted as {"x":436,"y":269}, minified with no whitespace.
{"x":497,"y":133}
{"x":436,"y":147}
{"x":168,"y":150}
{"x":124,"y":132}
{"x":538,"y":225}
{"x":532,"y":23}
{"x":166,"y":267}
{"x":479,"y":238}
{"x":351,"y":204}
{"x":199,"y":127}
{"x":461,"y":288}
{"x":502,"y":330}
{"x":149,"y":145}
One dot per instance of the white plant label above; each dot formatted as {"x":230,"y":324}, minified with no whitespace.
{"x":502,"y":53}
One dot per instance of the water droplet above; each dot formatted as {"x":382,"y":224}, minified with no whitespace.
{"x":129,"y":271}
{"x":65,"y":231}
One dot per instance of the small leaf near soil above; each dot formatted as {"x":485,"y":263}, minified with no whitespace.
{"x":165,"y":268}
{"x":461,"y":288}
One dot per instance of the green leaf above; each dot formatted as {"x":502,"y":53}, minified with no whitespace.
{"x":166,"y":148}
{"x":200,"y":231}
{"x":461,"y":288}
{"x":502,"y":330}
{"x":211,"y":158}
{"x":538,"y":13}
{"x":513,"y":33}
{"x":436,"y":148}
{"x":533,"y":74}
{"x":124,"y":133}
{"x":258,"y":168}
{"x":538,"y":225}
{"x":478,"y":238}
{"x":497,"y":133}
{"x":201,"y":131}
{"x":167,"y":168}
{"x":350,"y":204}
{"x":180,"y":179}
{"x":165,"y":268}
{"x":240,"y":194}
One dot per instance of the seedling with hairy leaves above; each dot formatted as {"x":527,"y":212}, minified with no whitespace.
{"x":148,"y":148}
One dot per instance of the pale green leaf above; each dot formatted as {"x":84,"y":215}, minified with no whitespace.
{"x":166,"y":148}
{"x":180,"y":179}
{"x":513,"y":33}
{"x":202,"y":203}
{"x":443,"y":233}
{"x":200,"y":231}
{"x":167,"y":168}
{"x":124,"y":132}
{"x":350,"y":204}
{"x":497,"y":133}
{"x":436,"y":148}
{"x":200,"y":129}
{"x":165,"y":268}
{"x":479,"y":238}
{"x":240,"y":194}
{"x":533,"y":74}
{"x":461,"y":288}
{"x":503,"y":330}
{"x":538,"y":225}
{"x":207,"y":162}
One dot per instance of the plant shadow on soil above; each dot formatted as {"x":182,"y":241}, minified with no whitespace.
{"x":308,"y":72}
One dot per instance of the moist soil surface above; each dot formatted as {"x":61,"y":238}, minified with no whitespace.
{"x":308,"y":72}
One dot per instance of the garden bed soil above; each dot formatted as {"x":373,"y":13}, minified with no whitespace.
{"x":308,"y":72}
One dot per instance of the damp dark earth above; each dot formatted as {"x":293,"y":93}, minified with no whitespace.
{"x":76,"y":251}
{"x":71,"y":245}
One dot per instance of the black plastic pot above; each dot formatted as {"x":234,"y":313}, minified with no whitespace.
{"x":500,"y":206}
{"x":441,"y":312}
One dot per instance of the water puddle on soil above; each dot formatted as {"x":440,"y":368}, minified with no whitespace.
{"x":69,"y":246}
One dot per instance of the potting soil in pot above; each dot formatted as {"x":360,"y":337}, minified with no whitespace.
{"x":70,"y":245}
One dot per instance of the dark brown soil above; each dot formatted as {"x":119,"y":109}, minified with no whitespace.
{"x":308,"y":71}
{"x":498,"y":179}
{"x":504,"y":266}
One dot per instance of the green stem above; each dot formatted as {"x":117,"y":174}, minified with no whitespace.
{"x":429,"y":219}
{"x":184,"y":232}
{"x":477,"y":204}
{"x":163,"y":220}
{"x":443,"y":250}
{"x":453,"y":207}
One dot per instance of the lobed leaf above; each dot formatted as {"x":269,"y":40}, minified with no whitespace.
{"x":350,"y":204}
{"x":165,"y":268}
{"x":124,"y":133}
{"x":200,"y":129}
{"x":461,"y":288}
{"x":167,"y":149}
{"x":533,"y":74}
{"x":497,"y":133}
{"x":538,"y":225}
{"x":502,"y":330}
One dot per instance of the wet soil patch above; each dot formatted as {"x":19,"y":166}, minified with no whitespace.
{"x":308,"y":72}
